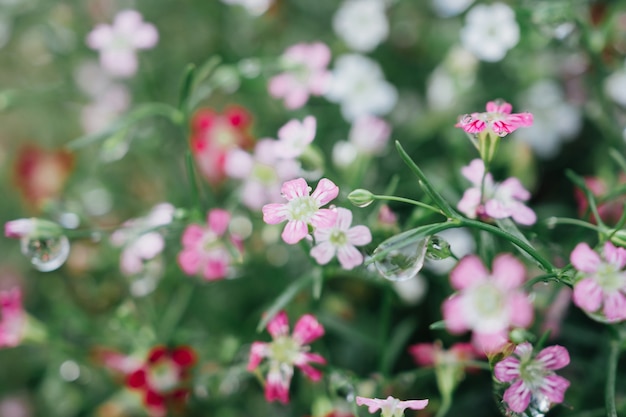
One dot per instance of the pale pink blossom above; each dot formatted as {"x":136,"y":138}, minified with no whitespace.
{"x":12,"y":318}
{"x":432,"y":354}
{"x":370,"y":134}
{"x":206,"y":250}
{"x":295,"y":136}
{"x":500,"y":199}
{"x":601,"y":286}
{"x":262,"y":173}
{"x":16,"y":229}
{"x":306,"y":74}
{"x":285,"y":352}
{"x":497,"y":119}
{"x":118,"y":42}
{"x":341,"y":240}
{"x":532,"y":378}
{"x":488,"y":303}
{"x":302,"y":209}
{"x":390,"y":407}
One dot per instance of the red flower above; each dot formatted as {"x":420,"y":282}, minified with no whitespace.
{"x":162,"y":378}
{"x":213,"y":135}
{"x":41,"y":174}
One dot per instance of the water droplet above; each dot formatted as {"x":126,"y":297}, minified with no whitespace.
{"x":403,"y":258}
{"x":46,"y":254}
{"x":438,"y":248}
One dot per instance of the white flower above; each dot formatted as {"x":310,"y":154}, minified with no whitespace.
{"x":449,"y":8}
{"x":615,"y":87}
{"x":490,"y":31}
{"x":361,"y":24}
{"x":555,"y":121}
{"x":254,"y":7}
{"x":359,"y":87}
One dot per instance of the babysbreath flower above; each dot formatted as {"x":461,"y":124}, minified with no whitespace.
{"x":295,"y":136}
{"x":206,"y":250}
{"x":302,"y":209}
{"x":497,"y":119}
{"x":361,"y":24}
{"x":12,"y":318}
{"x":254,"y":7}
{"x":601,"y":286}
{"x":285,"y":351}
{"x":488,"y":303}
{"x":489,"y":199}
{"x":117,"y":43}
{"x":340,"y":240}
{"x":390,"y":407}
{"x":490,"y":31}
{"x":306,"y":74}
{"x":532,"y":378}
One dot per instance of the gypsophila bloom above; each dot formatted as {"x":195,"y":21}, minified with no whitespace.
{"x":12,"y":318}
{"x":532,"y":378}
{"x":306,"y":74}
{"x":254,"y":7}
{"x":369,"y":134}
{"x":286,"y":351}
{"x":358,"y":85}
{"x":295,"y":136}
{"x":162,"y":378}
{"x":206,"y":250}
{"x":499,"y":201}
{"x":118,"y":43}
{"x":262,"y":173}
{"x":601,"y":286}
{"x":497,"y":119}
{"x":302,"y":209}
{"x":449,"y":8}
{"x":361,"y":24}
{"x":488,"y":303}
{"x":341,"y":240}
{"x":490,"y":31}
{"x":390,"y":407}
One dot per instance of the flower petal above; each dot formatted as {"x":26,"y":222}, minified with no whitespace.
{"x":359,"y":235}
{"x":588,"y":295}
{"x":258,"y":351}
{"x":554,"y":388}
{"x":274,"y":213}
{"x":615,"y":256}
{"x":325,"y":192}
{"x":323,"y":252}
{"x":218,"y":220}
{"x":454,"y":314}
{"x":615,"y":306}
{"x":295,"y":231}
{"x":507,"y":369}
{"x":295,"y":188}
{"x":474,"y":171}
{"x":508,"y":271}
{"x":278,"y":325}
{"x":468,"y":272}
{"x":307,"y":329}
{"x":349,"y":256}
{"x":554,"y":357}
{"x":344,"y":219}
{"x":517,"y":396}
{"x":585,"y":259}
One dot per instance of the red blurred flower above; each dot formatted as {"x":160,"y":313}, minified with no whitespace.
{"x":41,"y":174}
{"x":213,"y":135}
{"x":162,"y":378}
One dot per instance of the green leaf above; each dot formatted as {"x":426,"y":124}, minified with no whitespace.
{"x":397,"y":342}
{"x":438,"y":325}
{"x":185,"y":86}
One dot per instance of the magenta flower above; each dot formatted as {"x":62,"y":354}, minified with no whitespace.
{"x":488,"y":303}
{"x":295,"y":136}
{"x":340,"y":240}
{"x":306,"y":74}
{"x":532,"y":378}
{"x":205,"y":248}
{"x":117,"y":43}
{"x":497,"y":119}
{"x":601,"y":289}
{"x":500,"y":200}
{"x":302,"y":209}
{"x":285,"y":351}
{"x":12,"y":318}
{"x":390,"y":407}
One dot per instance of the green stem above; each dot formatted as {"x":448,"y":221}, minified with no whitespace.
{"x":541,"y":278}
{"x":544,"y":263}
{"x":408,"y":201}
{"x":383,"y":330}
{"x":611,"y":410}
{"x":193,"y":185}
{"x":175,"y":310}
{"x":446,"y":402}
{"x":553,"y":221}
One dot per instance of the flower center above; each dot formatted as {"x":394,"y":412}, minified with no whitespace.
{"x":163,"y":376}
{"x":224,"y":137}
{"x":486,"y":300}
{"x":284,"y":349}
{"x":264,"y":173}
{"x":609,"y":278}
{"x":338,"y":238}
{"x":302,"y":208}
{"x":533,"y":373}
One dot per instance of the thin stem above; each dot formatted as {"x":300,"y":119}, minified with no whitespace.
{"x":175,"y":310}
{"x":446,"y":402}
{"x":611,"y":410}
{"x":553,"y":221}
{"x":193,"y":184}
{"x":409,"y":201}
{"x":542,"y":278}
{"x":383,"y":330}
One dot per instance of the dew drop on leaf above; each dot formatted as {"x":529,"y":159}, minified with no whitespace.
{"x":46,"y":254}
{"x":402,"y":260}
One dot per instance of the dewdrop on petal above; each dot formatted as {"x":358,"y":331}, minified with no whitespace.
{"x":400,"y":261}
{"x":41,"y":241}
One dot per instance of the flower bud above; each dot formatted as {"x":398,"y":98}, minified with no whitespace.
{"x":361,"y":197}
{"x":33,"y":228}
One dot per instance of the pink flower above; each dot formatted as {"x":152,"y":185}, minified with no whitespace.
{"x":500,"y":200}
{"x":432,"y":354}
{"x":262,"y":173}
{"x":340,"y":240}
{"x":17,"y":229}
{"x":205,"y":250}
{"x":390,"y":407}
{"x":532,"y":378}
{"x":302,"y":209}
{"x":488,"y":303}
{"x":369,"y":134}
{"x":285,"y":351}
{"x":117,"y":43}
{"x":295,"y":136}
{"x":12,"y":318}
{"x":601,"y":287}
{"x":497,"y":119}
{"x":306,"y":74}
